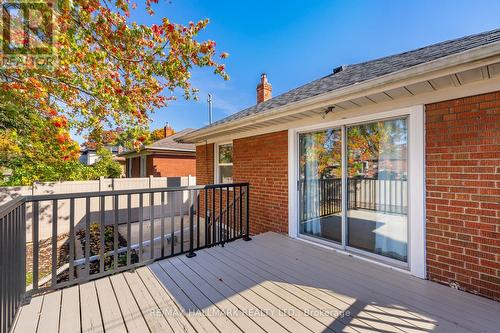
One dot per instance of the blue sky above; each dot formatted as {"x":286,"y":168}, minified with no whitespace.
{"x":295,"y":42}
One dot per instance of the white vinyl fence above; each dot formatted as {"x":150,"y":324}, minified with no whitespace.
{"x":101,"y":185}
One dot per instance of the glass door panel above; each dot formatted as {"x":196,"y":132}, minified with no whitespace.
{"x":320,"y":184}
{"x":377,"y":208}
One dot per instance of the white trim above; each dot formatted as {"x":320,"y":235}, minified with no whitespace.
{"x":216,"y":160}
{"x":416,"y":195}
{"x":143,"y":165}
{"x":416,"y":240}
{"x":292,"y":184}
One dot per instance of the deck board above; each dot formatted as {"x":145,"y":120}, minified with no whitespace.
{"x":199,"y":321}
{"x":242,"y":285}
{"x":288,"y":292}
{"x":155,"y":321}
{"x":110,"y":310}
{"x":28,"y":316}
{"x":238,"y":317}
{"x":270,"y":284}
{"x":49,"y":314}
{"x":70,"y":310}
{"x":131,"y":313}
{"x":166,"y":306}
{"x":265,"y":321}
{"x":203,"y":303}
{"x":90,"y":310}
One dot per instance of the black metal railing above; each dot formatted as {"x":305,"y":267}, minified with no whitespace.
{"x":320,"y":197}
{"x":381,"y":195}
{"x":323,"y":197}
{"x":12,"y":260}
{"x":79,"y":237}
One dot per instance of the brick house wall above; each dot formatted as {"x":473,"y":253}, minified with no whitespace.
{"x":463,"y":193}
{"x":164,"y":166}
{"x":136,"y":167}
{"x":171,"y":166}
{"x":462,"y":189}
{"x":263,"y":162}
{"x":205,"y":164}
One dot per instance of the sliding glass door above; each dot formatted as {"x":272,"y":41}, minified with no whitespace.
{"x":377,"y":219}
{"x":372,"y":216}
{"x":320,"y":184}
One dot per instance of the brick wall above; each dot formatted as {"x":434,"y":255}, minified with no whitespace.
{"x":204,"y":172}
{"x":136,"y":167}
{"x":171,"y":166}
{"x":205,"y":164}
{"x":263,"y":162}
{"x":463,"y":193}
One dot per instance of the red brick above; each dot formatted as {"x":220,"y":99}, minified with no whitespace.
{"x":462,"y":177}
{"x":171,"y":166}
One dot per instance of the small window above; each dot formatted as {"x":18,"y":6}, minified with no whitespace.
{"x":143,"y":166}
{"x":129,"y":160}
{"x":225,"y":163}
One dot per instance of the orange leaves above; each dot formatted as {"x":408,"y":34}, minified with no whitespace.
{"x":60,"y":122}
{"x":62,"y":137}
{"x":112,"y":72}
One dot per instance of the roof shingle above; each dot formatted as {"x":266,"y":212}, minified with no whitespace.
{"x":356,"y":73}
{"x":170,"y":143}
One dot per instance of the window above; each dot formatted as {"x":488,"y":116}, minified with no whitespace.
{"x":129,"y":160}
{"x":224,"y":167}
{"x":143,"y":166}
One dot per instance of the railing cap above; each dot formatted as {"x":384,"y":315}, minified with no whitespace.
{"x":11,"y":205}
{"x":80,"y":195}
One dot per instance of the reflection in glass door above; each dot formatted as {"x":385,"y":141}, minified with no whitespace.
{"x":377,"y":171}
{"x":372,"y":216}
{"x":320,"y":184}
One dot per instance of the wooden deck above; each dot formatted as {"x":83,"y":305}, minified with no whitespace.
{"x":272,"y":283}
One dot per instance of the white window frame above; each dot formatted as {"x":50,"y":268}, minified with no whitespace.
{"x":217,"y":179}
{"x":143,"y":162}
{"x":416,"y":207}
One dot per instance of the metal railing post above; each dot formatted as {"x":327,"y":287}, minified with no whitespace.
{"x":191,"y":226}
{"x":247,"y":235}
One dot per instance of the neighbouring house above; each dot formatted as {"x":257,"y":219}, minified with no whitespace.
{"x":396,"y":160}
{"x":88,"y":155}
{"x":162,"y":158}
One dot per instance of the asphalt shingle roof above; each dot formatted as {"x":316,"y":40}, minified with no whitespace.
{"x":356,"y":73}
{"x":170,"y":143}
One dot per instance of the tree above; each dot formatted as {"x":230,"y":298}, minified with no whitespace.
{"x":110,"y":72}
{"x":321,"y":151}
{"x":106,"y":166}
{"x":108,"y":138}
